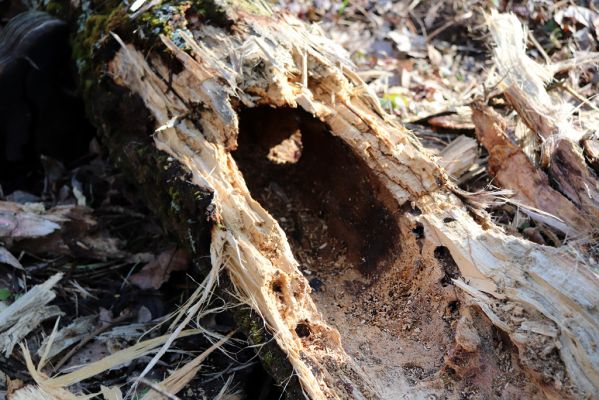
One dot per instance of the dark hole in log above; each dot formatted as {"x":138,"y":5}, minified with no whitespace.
{"x":341,"y":223}
{"x":315,"y":284}
{"x":449,"y":265}
{"x":327,"y":200}
{"x":418,"y":231}
{"x":410,"y":208}
{"x":453,"y":307}
{"x":303,"y":329}
{"x":277,"y":287}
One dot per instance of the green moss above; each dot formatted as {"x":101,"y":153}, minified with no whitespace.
{"x":199,"y":195}
{"x":175,"y":198}
{"x":174,"y":194}
{"x":141,"y":151}
{"x":191,"y":240}
{"x":164,"y":19}
{"x":94,"y":24}
{"x":269,"y":359}
{"x":253,"y":326}
{"x":256,"y":333}
{"x":167,"y":19}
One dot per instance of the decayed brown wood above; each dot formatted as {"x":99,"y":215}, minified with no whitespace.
{"x":512,"y":169}
{"x":524,"y":89}
{"x":562,"y":155}
{"x":591,"y":150}
{"x":443,"y":283}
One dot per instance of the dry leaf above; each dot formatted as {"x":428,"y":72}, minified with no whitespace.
{"x":158,"y":271}
{"x":576,"y":14}
{"x":19,"y":221}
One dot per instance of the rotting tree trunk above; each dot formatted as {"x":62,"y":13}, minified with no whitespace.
{"x":406,"y":291}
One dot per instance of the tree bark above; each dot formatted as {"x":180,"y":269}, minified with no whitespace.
{"x":378,"y":278}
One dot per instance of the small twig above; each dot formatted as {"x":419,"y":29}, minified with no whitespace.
{"x":422,"y":27}
{"x":225,"y":387}
{"x":88,"y":338}
{"x":440,"y":29}
{"x":228,"y":370}
{"x":539,"y":48}
{"x":580,"y":97}
{"x":160,"y":390}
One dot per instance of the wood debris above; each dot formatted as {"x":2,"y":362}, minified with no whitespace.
{"x":26,"y":313}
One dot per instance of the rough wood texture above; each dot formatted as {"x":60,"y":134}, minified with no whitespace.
{"x":524,"y":89}
{"x":591,"y":150}
{"x":512,"y":169}
{"x":420,"y":280}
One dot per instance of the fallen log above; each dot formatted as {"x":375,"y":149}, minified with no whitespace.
{"x":371,"y":273}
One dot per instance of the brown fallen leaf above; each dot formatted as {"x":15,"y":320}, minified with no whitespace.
{"x":158,"y":271}
{"x":62,"y":230}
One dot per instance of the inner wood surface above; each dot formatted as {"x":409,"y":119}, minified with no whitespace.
{"x":371,"y":278}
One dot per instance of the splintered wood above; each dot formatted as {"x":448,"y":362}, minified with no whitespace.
{"x":523,"y":82}
{"x":544,"y":299}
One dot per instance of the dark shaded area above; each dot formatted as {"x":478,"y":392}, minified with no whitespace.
{"x":418,"y":231}
{"x":261,"y":386}
{"x":40,"y":113}
{"x":443,"y":255}
{"x":303,"y":329}
{"x":328,"y":182}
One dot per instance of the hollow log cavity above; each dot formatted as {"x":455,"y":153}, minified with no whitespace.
{"x":363,"y":255}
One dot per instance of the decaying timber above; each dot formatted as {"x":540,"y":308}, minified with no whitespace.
{"x":514,"y":170}
{"x":524,"y":81}
{"x":383,"y":284}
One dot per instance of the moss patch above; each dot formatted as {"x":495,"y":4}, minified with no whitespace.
{"x":166,"y":19}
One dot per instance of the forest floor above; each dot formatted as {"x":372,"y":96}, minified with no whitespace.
{"x":100,"y":273}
